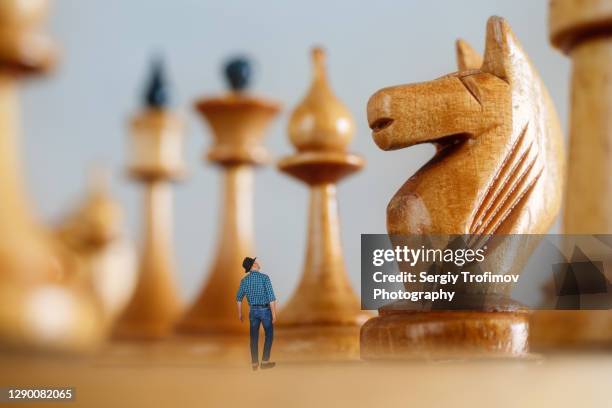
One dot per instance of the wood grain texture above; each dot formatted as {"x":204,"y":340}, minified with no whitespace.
{"x":498,"y":169}
{"x":323,"y":314}
{"x":439,"y":335}
{"x":171,"y":375}
{"x":238,"y":122}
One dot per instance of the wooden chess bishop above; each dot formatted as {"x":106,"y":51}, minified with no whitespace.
{"x":157,"y":142}
{"x":581,"y":30}
{"x":322,"y":318}
{"x":497,"y":169}
{"x":238,"y":122}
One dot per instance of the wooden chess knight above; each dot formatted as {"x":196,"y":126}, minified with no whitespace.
{"x":497,"y":169}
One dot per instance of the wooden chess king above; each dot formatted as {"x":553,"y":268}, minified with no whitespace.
{"x":497,"y":169}
{"x":322,"y":318}
{"x":238,"y":121}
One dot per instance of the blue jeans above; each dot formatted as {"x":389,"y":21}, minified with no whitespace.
{"x":261,"y":315}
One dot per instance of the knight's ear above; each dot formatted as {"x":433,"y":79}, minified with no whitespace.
{"x":501,"y":49}
{"x":467,"y":57}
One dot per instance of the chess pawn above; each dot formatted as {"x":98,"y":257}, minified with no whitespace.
{"x":156,"y":159}
{"x":238,"y":121}
{"x":324,"y":314}
{"x":106,"y":259}
{"x":576,"y":29}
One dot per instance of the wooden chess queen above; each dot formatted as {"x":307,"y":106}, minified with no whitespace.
{"x":497,"y":169}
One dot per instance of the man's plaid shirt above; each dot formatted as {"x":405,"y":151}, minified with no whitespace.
{"x":257,"y":288}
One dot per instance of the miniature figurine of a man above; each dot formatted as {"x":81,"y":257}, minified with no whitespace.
{"x":257,"y":288}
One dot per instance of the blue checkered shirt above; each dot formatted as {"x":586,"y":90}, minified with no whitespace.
{"x":257,"y":288}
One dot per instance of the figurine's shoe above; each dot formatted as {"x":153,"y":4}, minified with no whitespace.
{"x":255,"y":366}
{"x":265,"y":365}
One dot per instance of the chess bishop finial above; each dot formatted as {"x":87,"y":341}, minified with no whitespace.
{"x":157,"y":158}
{"x":320,"y":122}
{"x":324,"y":313}
{"x":238,"y":121}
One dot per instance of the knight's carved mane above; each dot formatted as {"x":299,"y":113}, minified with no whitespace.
{"x":510,"y":184}
{"x":524,"y":164}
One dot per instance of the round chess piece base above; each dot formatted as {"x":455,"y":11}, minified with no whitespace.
{"x":571,"y":329}
{"x":445,"y":335}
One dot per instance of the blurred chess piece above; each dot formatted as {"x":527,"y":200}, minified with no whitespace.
{"x":157,"y":158}
{"x":106,"y":259}
{"x":496,"y":171}
{"x":576,"y":28}
{"x":238,"y":121}
{"x":26,"y":254}
{"x":36,"y":309}
{"x":322,"y":318}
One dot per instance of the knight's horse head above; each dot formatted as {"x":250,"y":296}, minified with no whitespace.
{"x":499,"y":160}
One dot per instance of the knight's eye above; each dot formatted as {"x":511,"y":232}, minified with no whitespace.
{"x":380,"y":124}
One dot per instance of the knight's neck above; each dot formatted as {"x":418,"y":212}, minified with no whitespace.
{"x":443,"y":196}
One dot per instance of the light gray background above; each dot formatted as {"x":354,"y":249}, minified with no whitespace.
{"x":78,"y":115}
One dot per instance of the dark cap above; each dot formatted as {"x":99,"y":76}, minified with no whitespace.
{"x":247,"y":264}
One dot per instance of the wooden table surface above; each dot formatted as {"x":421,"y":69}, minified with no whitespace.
{"x":184,"y":374}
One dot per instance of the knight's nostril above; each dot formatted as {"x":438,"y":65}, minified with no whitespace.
{"x":380,"y":124}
